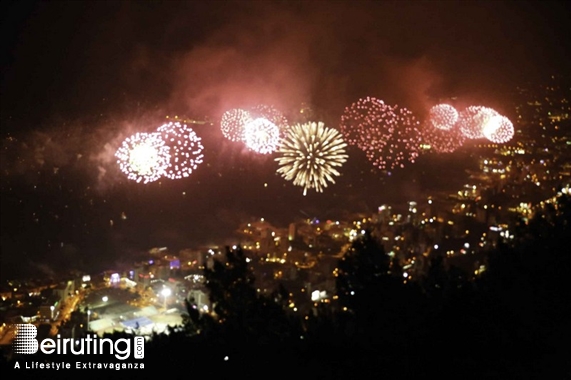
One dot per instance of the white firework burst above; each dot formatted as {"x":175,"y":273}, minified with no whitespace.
{"x":143,"y":157}
{"x":185,"y":149}
{"x":261,"y":136}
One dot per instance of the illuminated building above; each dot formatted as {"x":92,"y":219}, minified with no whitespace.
{"x":413,"y":216}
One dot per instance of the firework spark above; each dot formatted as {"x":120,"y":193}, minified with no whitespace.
{"x":143,"y":157}
{"x":472,"y":120}
{"x":388,"y":135}
{"x":261,"y":136}
{"x":233,"y":122}
{"x":443,"y":116}
{"x":272,"y":114}
{"x":361,"y":117}
{"x":185,"y":149}
{"x":499,"y":129}
{"x":442,"y":141}
{"x":310,"y":155}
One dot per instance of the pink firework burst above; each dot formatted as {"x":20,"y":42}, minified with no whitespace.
{"x":443,"y":116}
{"x":271,"y":114}
{"x":233,"y":122}
{"x":442,"y":141}
{"x":389,"y":135}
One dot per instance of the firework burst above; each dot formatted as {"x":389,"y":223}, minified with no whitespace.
{"x":361,"y":117}
{"x":388,"y":135}
{"x":272,"y":114}
{"x":143,"y":157}
{"x":185,"y":149}
{"x":443,"y":116}
{"x":261,"y":136}
{"x":398,"y":142}
{"x":233,"y":122}
{"x":442,"y":141}
{"x":310,"y":155}
{"x":472,"y":120}
{"x":499,"y":129}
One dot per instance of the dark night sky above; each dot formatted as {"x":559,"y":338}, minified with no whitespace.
{"x":78,"y":77}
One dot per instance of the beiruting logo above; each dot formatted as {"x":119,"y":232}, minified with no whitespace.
{"x":25,"y":342}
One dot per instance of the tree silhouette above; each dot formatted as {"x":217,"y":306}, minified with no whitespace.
{"x":240,"y":314}
{"x":361,"y":271}
{"x":375,"y":305}
{"x":526,"y":290}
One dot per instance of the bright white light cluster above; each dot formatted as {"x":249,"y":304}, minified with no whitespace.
{"x":446,"y":129}
{"x":261,"y":135}
{"x":143,"y":157}
{"x":185,"y":147}
{"x":260,"y":127}
{"x":174,"y":151}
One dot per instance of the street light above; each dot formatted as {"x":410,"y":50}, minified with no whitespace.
{"x":166,"y":292}
{"x":88,"y":314}
{"x":52,"y":308}
{"x":104,"y":298}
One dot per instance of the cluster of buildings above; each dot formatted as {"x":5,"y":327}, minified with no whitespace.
{"x":32,"y":301}
{"x":40,"y":302}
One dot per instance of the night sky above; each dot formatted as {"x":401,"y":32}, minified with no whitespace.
{"x":79,"y":77}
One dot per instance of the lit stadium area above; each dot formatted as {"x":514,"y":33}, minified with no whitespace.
{"x":115,"y":309}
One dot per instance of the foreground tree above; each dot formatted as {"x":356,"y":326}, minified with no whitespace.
{"x":240,"y":314}
{"x":362,"y":271}
{"x":525,"y":292}
{"x":375,"y":305}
